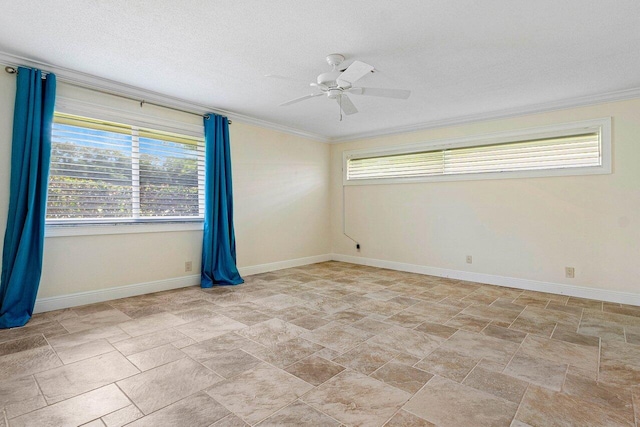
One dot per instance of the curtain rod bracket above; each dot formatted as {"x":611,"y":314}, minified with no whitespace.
{"x":11,"y":70}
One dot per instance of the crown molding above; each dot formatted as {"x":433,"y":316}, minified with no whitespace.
{"x":501,"y":114}
{"x":93,"y":82}
{"x":89,"y":81}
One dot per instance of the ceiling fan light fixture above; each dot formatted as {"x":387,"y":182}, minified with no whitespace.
{"x":334,"y":93}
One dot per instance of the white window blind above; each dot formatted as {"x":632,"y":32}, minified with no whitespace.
{"x":111,"y":172}
{"x":573,"y":151}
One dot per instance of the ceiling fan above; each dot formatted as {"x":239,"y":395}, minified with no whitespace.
{"x":337,"y":83}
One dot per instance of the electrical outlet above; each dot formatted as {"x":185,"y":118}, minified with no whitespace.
{"x":469,"y":259}
{"x":569,"y":272}
{"x":188,"y":266}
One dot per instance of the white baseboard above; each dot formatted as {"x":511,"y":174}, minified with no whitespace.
{"x":280,"y":265}
{"x":90,"y":297}
{"x":101,"y":295}
{"x":491,"y":279}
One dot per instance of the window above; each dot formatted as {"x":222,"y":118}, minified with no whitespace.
{"x":572,"y":149}
{"x":103,"y":171}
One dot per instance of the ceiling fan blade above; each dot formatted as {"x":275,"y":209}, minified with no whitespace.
{"x":302,"y":98}
{"x":290,"y":79}
{"x":346,"y":105}
{"x":355,"y":72}
{"x":385,"y":93}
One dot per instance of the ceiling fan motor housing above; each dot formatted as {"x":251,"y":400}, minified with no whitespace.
{"x":329,"y":79}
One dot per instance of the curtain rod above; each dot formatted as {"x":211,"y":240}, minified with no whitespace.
{"x":13,"y":70}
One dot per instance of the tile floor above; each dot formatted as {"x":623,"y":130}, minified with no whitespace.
{"x":328,"y":344}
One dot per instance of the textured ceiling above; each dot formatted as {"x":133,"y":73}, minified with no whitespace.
{"x":459,"y":58}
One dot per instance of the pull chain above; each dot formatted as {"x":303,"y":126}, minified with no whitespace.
{"x":340,"y":107}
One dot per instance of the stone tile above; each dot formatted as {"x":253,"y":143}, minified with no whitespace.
{"x":110,"y":333}
{"x":328,"y":305}
{"x":214,"y":347}
{"x":20,"y":395}
{"x":406,"y":359}
{"x":584,"y":357}
{"x":49,"y":329}
{"x":357,"y":400}
{"x":402,"y":376}
{"x":542,"y":407}
{"x":145,"y":342}
{"x":166,"y":384}
{"x":406,"y":319}
{"x":434,"y":312}
{"x":407,"y":340}
{"x":122,"y":416}
{"x":494,"y":312}
{"x":97,"y":319}
{"x":382,"y":295}
{"x":500,"y":385}
{"x":197,"y":410}
{"x":601,"y":317}
{"x":294,"y":313}
{"x":606,"y":331}
{"x":84,"y":351}
{"x":309,"y":322}
{"x":230,"y":421}
{"x":211,"y":327}
{"x":337,"y":336}
{"x":569,"y":335}
{"x":617,"y":401}
{"x":233,"y":363}
{"x":22,"y":344}
{"x":76,"y":411}
{"x":468,"y":323}
{"x":84,"y":310}
{"x":504,"y":333}
{"x":448,"y":363}
{"x":285,"y":353}
{"x":620,"y":363}
{"x":371,"y":325}
{"x":194,"y":314}
{"x":435,"y":329}
{"x":298,"y":414}
{"x":27,"y":362}
{"x":585,"y":303}
{"x":256,"y":394}
{"x":365,"y":358}
{"x":314,"y":369}
{"x":534,"y":324}
{"x":481,"y":346}
{"x":449,"y":404}
{"x":156,"y":356}
{"x":79,"y":377}
{"x":280,"y":302}
{"x":346,"y":316}
{"x":537,"y":371}
{"x":94,"y":423}
{"x":272,"y":331}
{"x":152,"y":323}
{"x":406,"y":419}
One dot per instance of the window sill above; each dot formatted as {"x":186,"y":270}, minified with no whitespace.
{"x":122,"y":228}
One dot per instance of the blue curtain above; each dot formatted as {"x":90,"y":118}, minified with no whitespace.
{"x":24,"y":235}
{"x":219,"y":242}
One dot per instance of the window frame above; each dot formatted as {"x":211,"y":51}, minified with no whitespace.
{"x":99,"y":226}
{"x":600,"y":125}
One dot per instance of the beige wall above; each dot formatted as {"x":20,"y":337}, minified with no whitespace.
{"x":528,"y":228}
{"x":281,"y":192}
